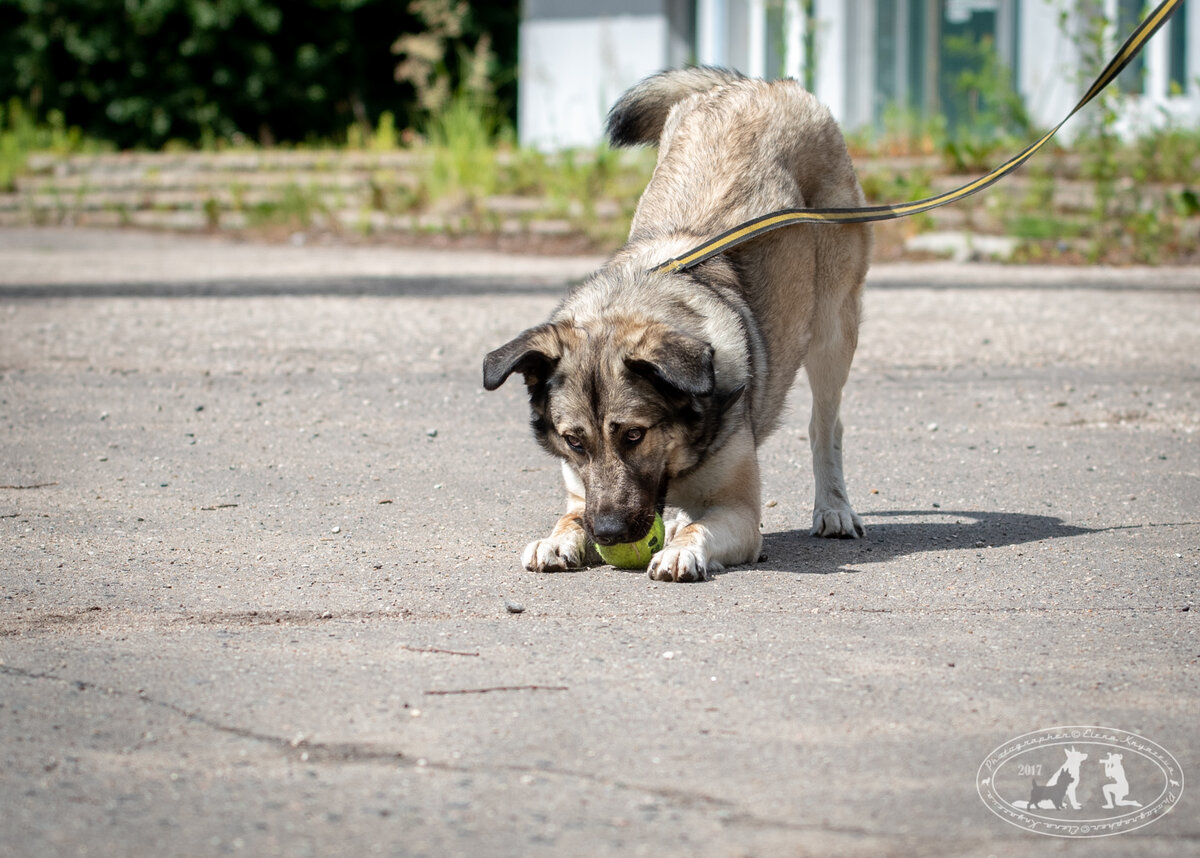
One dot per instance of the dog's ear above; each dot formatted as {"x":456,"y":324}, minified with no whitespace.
{"x":533,"y":353}
{"x":673,"y":360}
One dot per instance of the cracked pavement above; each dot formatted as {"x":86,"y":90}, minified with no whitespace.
{"x":260,"y":527}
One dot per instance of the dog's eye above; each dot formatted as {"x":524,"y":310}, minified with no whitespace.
{"x":574,"y":443}
{"x":635,"y":434}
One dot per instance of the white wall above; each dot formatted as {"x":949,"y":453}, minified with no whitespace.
{"x":573,"y":69}
{"x":831,"y":37}
{"x":1046,"y":74}
{"x":1051,"y":84}
{"x":1157,"y":107}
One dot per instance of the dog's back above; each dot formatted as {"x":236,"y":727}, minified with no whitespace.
{"x":731,"y":149}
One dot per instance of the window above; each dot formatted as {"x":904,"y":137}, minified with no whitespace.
{"x":1177,"y":44}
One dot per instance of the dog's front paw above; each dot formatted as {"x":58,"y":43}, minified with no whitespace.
{"x":839,"y":523}
{"x":671,"y":527}
{"x":555,"y":554}
{"x":681,"y":564}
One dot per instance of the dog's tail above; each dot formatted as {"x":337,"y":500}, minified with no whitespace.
{"x":639,"y":114}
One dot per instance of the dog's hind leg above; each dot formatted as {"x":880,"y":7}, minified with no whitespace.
{"x":828,"y":366}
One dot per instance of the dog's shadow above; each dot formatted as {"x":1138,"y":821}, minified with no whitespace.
{"x":899,"y":533}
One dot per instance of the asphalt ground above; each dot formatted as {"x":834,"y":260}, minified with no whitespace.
{"x":260,"y":531}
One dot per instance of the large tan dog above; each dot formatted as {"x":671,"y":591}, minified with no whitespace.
{"x":657,"y":388}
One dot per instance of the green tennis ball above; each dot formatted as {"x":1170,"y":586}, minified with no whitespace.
{"x":636,"y":555}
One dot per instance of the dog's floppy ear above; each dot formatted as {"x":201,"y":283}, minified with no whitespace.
{"x":674,"y":360}
{"x":533,"y":354}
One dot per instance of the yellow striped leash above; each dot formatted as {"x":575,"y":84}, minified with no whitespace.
{"x":788,"y":217}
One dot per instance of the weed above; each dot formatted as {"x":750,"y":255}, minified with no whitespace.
{"x":1035,"y":218}
{"x":985,"y":102}
{"x":888,"y":187}
{"x":905,"y":131}
{"x":384,"y":139}
{"x":1168,"y":154}
{"x":212,"y":212}
{"x":461,"y":139}
{"x":296,"y":208}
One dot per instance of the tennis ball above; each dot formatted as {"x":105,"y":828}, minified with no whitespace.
{"x":635,"y":555}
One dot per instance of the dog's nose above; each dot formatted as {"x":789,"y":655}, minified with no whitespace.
{"x":609,"y":529}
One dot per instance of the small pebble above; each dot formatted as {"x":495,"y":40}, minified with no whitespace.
{"x":335,"y":529}
{"x":432,"y":433}
{"x":513,"y":607}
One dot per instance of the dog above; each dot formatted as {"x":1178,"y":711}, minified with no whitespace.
{"x":656,"y":388}
{"x":1071,"y":769}
{"x":1054,"y":791}
{"x":1116,"y":794}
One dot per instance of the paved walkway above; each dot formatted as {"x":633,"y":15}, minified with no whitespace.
{"x":260,"y":527}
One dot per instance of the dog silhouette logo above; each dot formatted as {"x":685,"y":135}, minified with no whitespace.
{"x":1080,"y":781}
{"x":1062,"y":784}
{"x":1052,"y":792}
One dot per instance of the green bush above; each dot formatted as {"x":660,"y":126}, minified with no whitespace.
{"x":142,"y":72}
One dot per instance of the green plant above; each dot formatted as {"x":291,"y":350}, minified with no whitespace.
{"x":1167,"y":154}
{"x":904,"y":131}
{"x":17,"y":136}
{"x":1186,"y":202}
{"x":1092,"y":32}
{"x":385,"y":138}
{"x":295,"y":207}
{"x":461,"y":139}
{"x":909,"y":131}
{"x":433,"y":59}
{"x":212,"y":212}
{"x":989,"y":115}
{"x":891,"y":186}
{"x":20,"y":136}
{"x":987,"y":101}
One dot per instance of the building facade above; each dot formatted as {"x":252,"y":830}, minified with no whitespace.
{"x":863,"y":58}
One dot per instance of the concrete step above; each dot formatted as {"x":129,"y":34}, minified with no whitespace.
{"x":381,"y":192}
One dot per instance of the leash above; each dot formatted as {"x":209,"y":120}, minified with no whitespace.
{"x":866,"y":214}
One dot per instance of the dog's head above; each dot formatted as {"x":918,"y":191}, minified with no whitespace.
{"x":629,"y":404}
